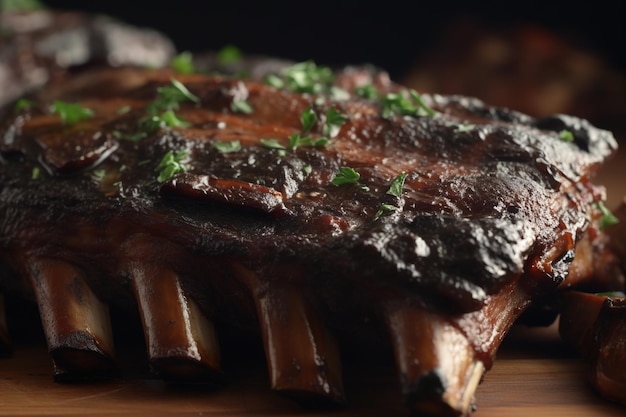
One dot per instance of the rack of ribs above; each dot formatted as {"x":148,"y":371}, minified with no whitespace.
{"x":305,"y":206}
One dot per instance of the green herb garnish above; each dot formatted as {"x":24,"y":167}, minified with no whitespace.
{"x":71,"y":113}
{"x":229,"y":54}
{"x":384,"y":208}
{"x":395,"y":188}
{"x":183,"y":63}
{"x":36,"y":172}
{"x":399,"y":104}
{"x":339,"y":94}
{"x":23,"y":104}
{"x":304,"y":77}
{"x":346,"y":175}
{"x":272,"y":144}
{"x":170,"y":97}
{"x":464,"y":127}
{"x":241,"y":106}
{"x":227,"y":147}
{"x":307,"y":169}
{"x":296,"y":141}
{"x":566,"y":136}
{"x":334,"y":121}
{"x":608,"y":218}
{"x":308,"y":118}
{"x":171,"y":164}
{"x":98,"y":174}
{"x":367,"y":91}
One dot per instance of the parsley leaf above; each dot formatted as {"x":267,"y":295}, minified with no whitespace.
{"x":170,"y":97}
{"x":334,"y":121}
{"x":229,"y":54}
{"x":71,"y":113}
{"x":271,"y":143}
{"x":566,"y":136}
{"x":36,"y":172}
{"x":346,"y":175}
{"x":183,"y":63}
{"x":296,"y":140}
{"x":304,"y":77}
{"x":384,"y":208}
{"x":399,"y":104}
{"x":227,"y":147}
{"x":367,"y":91}
{"x":241,"y":106}
{"x":23,"y":104}
{"x":308,"y":118}
{"x":608,"y":218}
{"x":395,"y":188}
{"x":172,"y":164}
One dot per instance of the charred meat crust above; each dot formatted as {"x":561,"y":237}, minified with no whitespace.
{"x":490,"y":194}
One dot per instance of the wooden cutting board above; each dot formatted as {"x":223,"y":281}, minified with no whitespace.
{"x":535,"y":375}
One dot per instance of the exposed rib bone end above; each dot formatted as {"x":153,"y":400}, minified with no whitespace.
{"x":438,"y":368}
{"x":302,"y":356}
{"x":181,"y":341}
{"x":82,"y":358}
{"x":76,"y":323}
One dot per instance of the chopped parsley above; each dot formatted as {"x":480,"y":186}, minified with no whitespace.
{"x":395,"y":188}
{"x":36,"y":172}
{"x":23,"y":104}
{"x":400,"y":104}
{"x":346,"y":175}
{"x":71,"y":113}
{"x":171,"y":164}
{"x":161,"y":110}
{"x":99,"y":174}
{"x":296,"y":141}
{"x":334,"y":121}
{"x":229,"y":54}
{"x":183,"y":63}
{"x":227,"y":147}
{"x":304,"y":77}
{"x":271,"y":143}
{"x":170,"y":96}
{"x":384,"y":209}
{"x":307,"y":169}
{"x":367,"y":91}
{"x":241,"y":106}
{"x":308,"y":118}
{"x":566,"y":136}
{"x":608,"y":218}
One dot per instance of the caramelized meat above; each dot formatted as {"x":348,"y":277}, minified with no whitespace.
{"x":313,"y":212}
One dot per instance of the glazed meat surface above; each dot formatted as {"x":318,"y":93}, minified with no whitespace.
{"x":362,"y":207}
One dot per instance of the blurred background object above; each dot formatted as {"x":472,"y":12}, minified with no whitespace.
{"x":536,"y":57}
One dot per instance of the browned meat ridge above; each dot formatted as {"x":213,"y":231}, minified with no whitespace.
{"x":462,"y":214}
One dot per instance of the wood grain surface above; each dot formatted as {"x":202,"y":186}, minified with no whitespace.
{"x":535,"y":375}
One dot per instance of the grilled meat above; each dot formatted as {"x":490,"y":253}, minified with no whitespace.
{"x":299,"y":208}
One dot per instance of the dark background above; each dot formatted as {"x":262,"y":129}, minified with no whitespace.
{"x":388,"y":33}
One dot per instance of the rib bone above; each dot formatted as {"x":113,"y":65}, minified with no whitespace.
{"x":441,"y":357}
{"x":181,"y":341}
{"x":302,"y":356}
{"x":76,"y":323}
